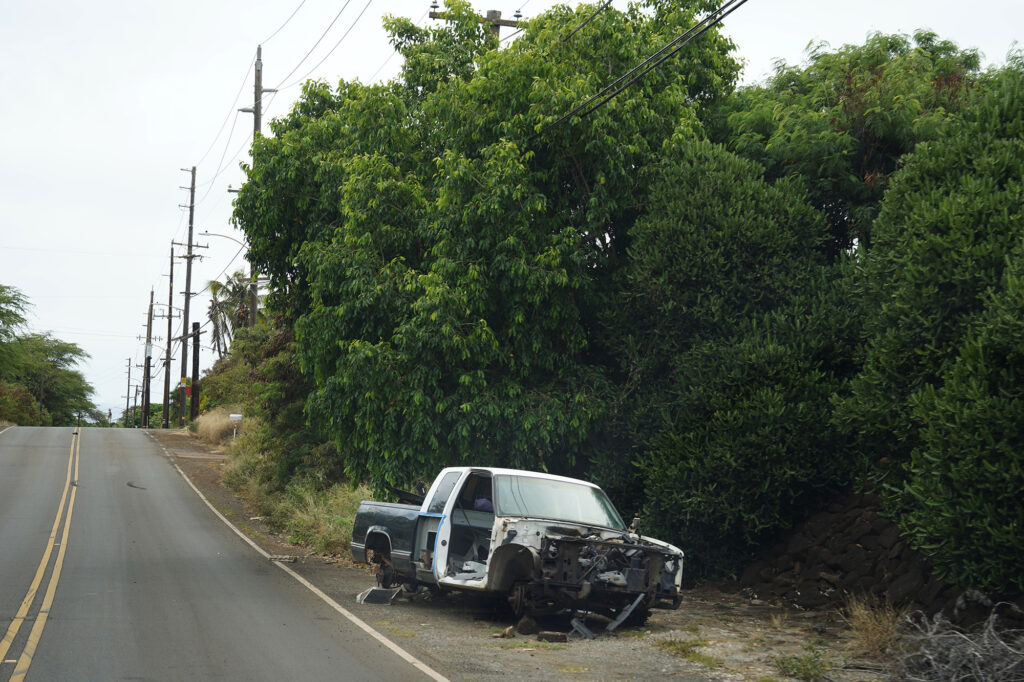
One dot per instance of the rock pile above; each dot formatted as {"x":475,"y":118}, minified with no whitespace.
{"x":847,"y":549}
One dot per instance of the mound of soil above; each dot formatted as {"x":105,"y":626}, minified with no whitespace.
{"x":848,"y":549}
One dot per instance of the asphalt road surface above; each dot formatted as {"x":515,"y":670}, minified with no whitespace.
{"x":112,"y":568}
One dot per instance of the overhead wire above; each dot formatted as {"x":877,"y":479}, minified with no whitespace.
{"x":736,"y":4}
{"x":652,"y":62}
{"x":242,"y":248}
{"x":290,"y":16}
{"x":234,"y":104}
{"x":586,"y":21}
{"x":322,"y":36}
{"x":340,"y":40}
{"x":220,"y":164}
{"x":394,"y":52}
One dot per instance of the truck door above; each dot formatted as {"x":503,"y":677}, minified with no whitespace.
{"x":435,"y":525}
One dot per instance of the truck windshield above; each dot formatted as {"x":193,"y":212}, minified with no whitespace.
{"x":549,"y":499}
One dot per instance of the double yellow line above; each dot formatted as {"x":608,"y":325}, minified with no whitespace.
{"x":63,"y":513}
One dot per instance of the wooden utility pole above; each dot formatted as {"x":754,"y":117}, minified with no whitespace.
{"x":146,"y":371}
{"x":193,"y":411}
{"x":188,"y":296}
{"x":135,"y":405}
{"x":167,"y":352}
{"x":128,"y":393}
{"x":257,"y":129}
{"x":493,"y":18}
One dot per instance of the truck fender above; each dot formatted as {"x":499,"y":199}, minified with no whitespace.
{"x":377,"y":538}
{"x":510,"y":564}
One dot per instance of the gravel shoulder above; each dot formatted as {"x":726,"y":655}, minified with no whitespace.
{"x":721,"y":634}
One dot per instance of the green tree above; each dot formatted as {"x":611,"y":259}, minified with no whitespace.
{"x":731,"y":342}
{"x":842,"y":121}
{"x":229,"y":309}
{"x":45,"y":367}
{"x":13,"y":305}
{"x":936,"y":294}
{"x":446,"y":247}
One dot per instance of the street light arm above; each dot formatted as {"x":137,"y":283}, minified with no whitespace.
{"x":207,"y":233}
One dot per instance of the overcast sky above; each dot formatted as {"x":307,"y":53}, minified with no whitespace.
{"x":103,"y":102}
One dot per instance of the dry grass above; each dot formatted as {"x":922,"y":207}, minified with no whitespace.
{"x":215,"y":427}
{"x":875,"y":625}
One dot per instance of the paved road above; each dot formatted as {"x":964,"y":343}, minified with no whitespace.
{"x":145,"y":583}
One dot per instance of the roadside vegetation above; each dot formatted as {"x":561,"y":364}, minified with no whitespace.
{"x":39,"y":385}
{"x":726,"y":305}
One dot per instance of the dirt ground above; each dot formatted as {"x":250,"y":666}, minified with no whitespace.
{"x":718,"y":633}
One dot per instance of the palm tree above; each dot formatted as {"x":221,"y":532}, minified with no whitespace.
{"x":229,"y":309}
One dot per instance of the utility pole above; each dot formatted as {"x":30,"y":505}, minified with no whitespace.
{"x":135,"y":405}
{"x":188,"y":295}
{"x":193,"y":411}
{"x":493,"y":18}
{"x":167,"y":352}
{"x":257,"y":130}
{"x":146,"y":370}
{"x":128,"y":393}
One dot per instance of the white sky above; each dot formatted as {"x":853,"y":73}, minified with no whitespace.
{"x":102,"y":102}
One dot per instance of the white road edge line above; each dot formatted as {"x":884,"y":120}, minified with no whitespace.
{"x":402,"y":653}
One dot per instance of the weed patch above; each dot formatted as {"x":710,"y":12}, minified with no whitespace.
{"x":687,"y":650}
{"x":809,"y":667}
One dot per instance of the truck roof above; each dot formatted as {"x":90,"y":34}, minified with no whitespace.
{"x":499,"y":471}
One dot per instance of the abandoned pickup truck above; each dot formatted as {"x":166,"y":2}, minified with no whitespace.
{"x":549,"y":543}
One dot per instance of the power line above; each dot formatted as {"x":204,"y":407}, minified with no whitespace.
{"x":220,"y":164}
{"x":394,"y":52}
{"x":322,"y":36}
{"x":245,"y":79}
{"x":653,"y":61}
{"x":367,"y":6}
{"x":724,"y":11}
{"x":265,"y":41}
{"x":512,"y":35}
{"x":221,"y":272}
{"x":585,"y":21}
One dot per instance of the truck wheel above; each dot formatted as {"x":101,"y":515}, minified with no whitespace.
{"x":385,"y":572}
{"x":519,"y":599}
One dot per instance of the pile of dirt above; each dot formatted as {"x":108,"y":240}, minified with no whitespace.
{"x":848,"y":549}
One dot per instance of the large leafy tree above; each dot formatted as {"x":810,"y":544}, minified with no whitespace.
{"x":446,"y":244}
{"x":13,"y":306}
{"x":938,"y":288}
{"x":842,"y":121}
{"x":38,"y":380}
{"x":46,"y":367}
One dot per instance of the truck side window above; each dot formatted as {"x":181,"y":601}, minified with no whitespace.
{"x":443,"y":492}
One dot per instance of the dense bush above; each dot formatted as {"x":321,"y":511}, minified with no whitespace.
{"x":940,"y":392}
{"x":729,"y":348}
